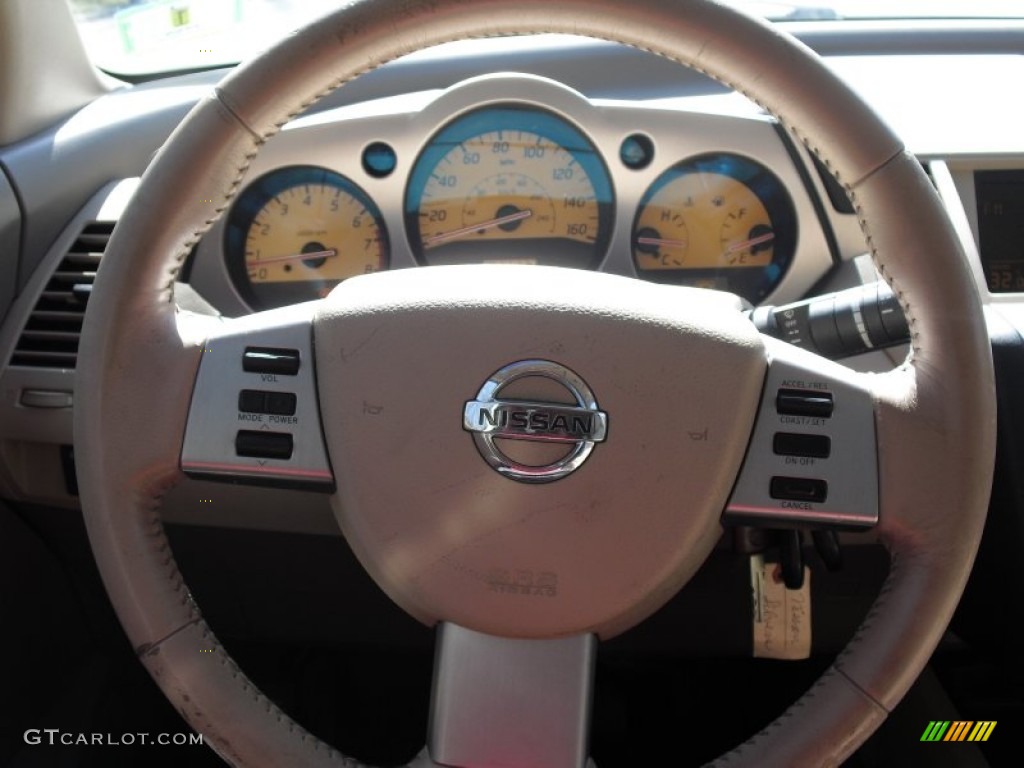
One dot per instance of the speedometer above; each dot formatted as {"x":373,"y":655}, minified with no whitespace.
{"x":509,"y":184}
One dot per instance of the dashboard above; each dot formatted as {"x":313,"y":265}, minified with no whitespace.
{"x":437,"y":159}
{"x":549,"y":151}
{"x":518,"y":169}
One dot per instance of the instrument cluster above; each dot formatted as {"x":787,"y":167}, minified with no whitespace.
{"x":481,"y":174}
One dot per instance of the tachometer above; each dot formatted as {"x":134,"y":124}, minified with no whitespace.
{"x":716,"y":221}
{"x":509,"y":184}
{"x":297,"y":232}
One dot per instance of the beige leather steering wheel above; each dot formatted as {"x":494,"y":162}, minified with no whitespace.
{"x":933,"y":419}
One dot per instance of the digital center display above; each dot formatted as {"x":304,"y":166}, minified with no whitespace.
{"x":1000,"y":196}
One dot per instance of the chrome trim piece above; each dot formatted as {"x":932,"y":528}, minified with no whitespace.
{"x":489,"y":417}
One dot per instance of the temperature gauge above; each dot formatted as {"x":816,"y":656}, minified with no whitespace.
{"x":719,"y":221}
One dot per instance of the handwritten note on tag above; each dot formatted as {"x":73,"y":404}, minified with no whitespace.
{"x":782,"y":617}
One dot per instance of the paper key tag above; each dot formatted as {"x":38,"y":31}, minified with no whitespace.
{"x":782,"y":617}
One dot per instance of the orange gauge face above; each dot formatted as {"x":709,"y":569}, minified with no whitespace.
{"x":717,"y":221}
{"x":298,"y":232}
{"x":509,"y":185}
{"x":704,"y":221}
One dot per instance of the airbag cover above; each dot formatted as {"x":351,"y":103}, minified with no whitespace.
{"x":678,"y":371}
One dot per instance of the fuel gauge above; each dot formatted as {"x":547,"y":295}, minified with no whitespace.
{"x":716,"y":221}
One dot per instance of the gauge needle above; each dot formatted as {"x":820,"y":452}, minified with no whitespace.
{"x":659,"y":241}
{"x":455,"y":234}
{"x":767,"y":237}
{"x":329,"y":253}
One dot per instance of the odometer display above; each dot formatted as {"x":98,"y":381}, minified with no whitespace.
{"x":511,"y":185}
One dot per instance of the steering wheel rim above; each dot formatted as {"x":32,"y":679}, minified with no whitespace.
{"x":935,"y":416}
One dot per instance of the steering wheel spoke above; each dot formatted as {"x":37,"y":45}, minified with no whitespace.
{"x":510,"y":701}
{"x":812,"y":458}
{"x":254,"y":415}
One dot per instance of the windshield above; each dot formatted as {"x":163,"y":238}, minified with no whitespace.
{"x":138,"y":37}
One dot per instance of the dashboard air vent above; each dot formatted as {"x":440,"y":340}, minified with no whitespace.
{"x":50,"y":337}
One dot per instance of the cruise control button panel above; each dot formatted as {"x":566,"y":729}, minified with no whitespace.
{"x":254,"y":415}
{"x":812,"y":458}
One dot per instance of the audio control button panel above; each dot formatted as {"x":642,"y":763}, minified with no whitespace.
{"x":254,"y":416}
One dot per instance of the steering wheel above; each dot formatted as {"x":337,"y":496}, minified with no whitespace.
{"x":441,"y":403}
